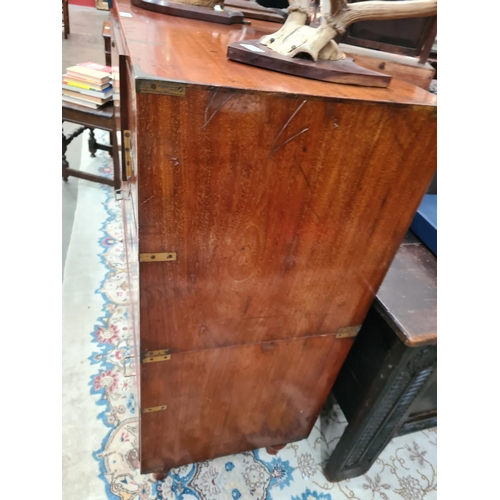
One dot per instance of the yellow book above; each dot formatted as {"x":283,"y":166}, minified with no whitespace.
{"x":85,"y":86}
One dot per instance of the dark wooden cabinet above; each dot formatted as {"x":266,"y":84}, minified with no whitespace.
{"x":261,"y":213}
{"x":387,"y":386}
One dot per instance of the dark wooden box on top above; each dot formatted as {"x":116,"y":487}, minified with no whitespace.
{"x":261,"y":213}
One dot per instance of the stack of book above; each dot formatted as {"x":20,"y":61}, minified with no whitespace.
{"x":87,"y":84}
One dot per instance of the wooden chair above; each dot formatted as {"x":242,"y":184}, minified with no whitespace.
{"x":387,"y":386}
{"x":101,"y":118}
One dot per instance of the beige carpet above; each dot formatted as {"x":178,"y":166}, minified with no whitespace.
{"x":84,"y":271}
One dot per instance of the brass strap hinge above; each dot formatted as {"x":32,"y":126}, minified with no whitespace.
{"x":347,"y":331}
{"x":158,"y":257}
{"x":154,"y":408}
{"x":126,"y":148}
{"x":160,"y":87}
{"x":155,"y":356}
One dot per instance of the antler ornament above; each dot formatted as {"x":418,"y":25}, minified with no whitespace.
{"x":295,"y":39}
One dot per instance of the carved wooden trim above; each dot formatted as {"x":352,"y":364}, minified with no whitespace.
{"x":402,"y":394}
{"x":364,"y":440}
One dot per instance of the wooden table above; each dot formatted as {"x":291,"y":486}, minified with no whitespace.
{"x":261,"y":214}
{"x":387,"y":386}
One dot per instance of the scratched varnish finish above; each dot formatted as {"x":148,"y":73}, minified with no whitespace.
{"x":194,"y":52}
{"x":284,"y":212}
{"x":285,"y":201}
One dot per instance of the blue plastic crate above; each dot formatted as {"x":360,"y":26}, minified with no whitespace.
{"x":424,"y":223}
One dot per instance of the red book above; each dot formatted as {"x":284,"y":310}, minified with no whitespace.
{"x":96,"y":66}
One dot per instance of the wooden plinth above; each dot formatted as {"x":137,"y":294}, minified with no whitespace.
{"x":190,"y":11}
{"x":345,"y":71}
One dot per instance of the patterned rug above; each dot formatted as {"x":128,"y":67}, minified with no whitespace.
{"x":100,"y":459}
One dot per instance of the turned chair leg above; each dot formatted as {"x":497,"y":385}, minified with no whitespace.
{"x":92,"y":143}
{"x":65,"y":164}
{"x":66,"y":141}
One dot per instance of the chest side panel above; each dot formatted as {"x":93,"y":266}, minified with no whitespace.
{"x":284,"y":213}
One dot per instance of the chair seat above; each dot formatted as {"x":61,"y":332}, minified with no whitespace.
{"x":106,"y":110}
{"x":102,"y":117}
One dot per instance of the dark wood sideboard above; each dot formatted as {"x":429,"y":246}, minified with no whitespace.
{"x":261,"y":213}
{"x":387,"y":386}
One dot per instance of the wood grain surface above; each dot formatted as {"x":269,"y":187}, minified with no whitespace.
{"x":284,"y":213}
{"x":344,"y":71}
{"x":194,"y":52}
{"x":285,"y":201}
{"x":239,"y":398}
{"x":252,"y":10}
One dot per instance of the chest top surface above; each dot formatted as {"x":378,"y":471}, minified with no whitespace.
{"x":193,"y":52}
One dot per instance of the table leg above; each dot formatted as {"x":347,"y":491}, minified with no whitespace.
{"x":380,"y":414}
{"x":65,"y":164}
